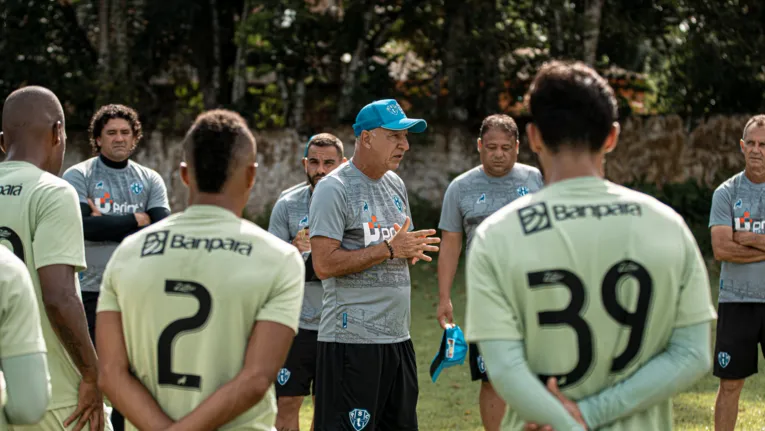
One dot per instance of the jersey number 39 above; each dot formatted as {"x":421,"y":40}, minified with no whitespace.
{"x":165,"y":346}
{"x":572,"y":315}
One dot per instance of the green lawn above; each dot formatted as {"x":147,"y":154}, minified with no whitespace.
{"x":452,"y":403}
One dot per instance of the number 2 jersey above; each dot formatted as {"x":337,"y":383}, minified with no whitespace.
{"x":190,"y":289}
{"x":40,"y":221}
{"x":592,"y":277}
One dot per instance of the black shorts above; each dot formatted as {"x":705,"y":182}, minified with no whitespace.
{"x":740,"y":327}
{"x":477,"y":367}
{"x":297,"y":378}
{"x":90,"y":302}
{"x":366,"y":386}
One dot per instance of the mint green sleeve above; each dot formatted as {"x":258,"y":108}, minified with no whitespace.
{"x":515,"y":383}
{"x":27,"y":385}
{"x":687,"y":358}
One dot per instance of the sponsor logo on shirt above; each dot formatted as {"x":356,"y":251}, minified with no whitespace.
{"x":100,"y":185}
{"x":303,"y":222}
{"x":10,"y":190}
{"x":366,"y":207}
{"x":536,"y":218}
{"x":482,"y":199}
{"x":136,"y":188}
{"x":156,"y":242}
{"x":373,"y":231}
{"x":739,"y":203}
{"x":359,"y":417}
{"x":747,"y":224}
{"x":106,"y":205}
{"x":399,"y":205}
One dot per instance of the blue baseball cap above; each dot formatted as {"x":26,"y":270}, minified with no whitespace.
{"x":452,"y":351}
{"x":388,"y":115}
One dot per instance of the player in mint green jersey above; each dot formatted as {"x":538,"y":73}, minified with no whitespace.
{"x":22,"y":346}
{"x":40,"y":221}
{"x":594,"y":289}
{"x":197,"y":312}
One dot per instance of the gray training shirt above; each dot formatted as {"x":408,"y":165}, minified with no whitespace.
{"x":371,"y":306}
{"x":289,"y":216}
{"x":474,"y":196}
{"x":738,"y":203}
{"x":129,"y":190}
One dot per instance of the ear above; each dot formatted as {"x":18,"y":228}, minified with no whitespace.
{"x":479,"y":145}
{"x":2,"y":144}
{"x":535,"y":138}
{"x":251,"y":171}
{"x":366,"y":138}
{"x":185,"y":173}
{"x":612,"y":139}
{"x":517,"y":146}
{"x":56,"y":134}
{"x":741,"y":143}
{"x":345,"y":159}
{"x":305,"y":163}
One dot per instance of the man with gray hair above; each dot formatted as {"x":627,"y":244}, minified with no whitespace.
{"x":289,"y":222}
{"x":361,"y":241}
{"x":737,"y":223}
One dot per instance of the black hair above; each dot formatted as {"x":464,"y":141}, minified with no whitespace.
{"x":212,"y":144}
{"x":571,"y":105}
{"x":108,"y":112}
{"x":326,"y":140}
{"x":499,"y":122}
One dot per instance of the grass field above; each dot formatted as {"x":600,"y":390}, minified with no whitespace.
{"x":452,"y":403}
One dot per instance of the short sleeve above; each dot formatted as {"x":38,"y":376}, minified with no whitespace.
{"x":721,"y":213}
{"x":490,"y":313}
{"x":20,"y":328}
{"x":76,"y":178}
{"x":157,"y":192}
{"x":326,"y":216}
{"x":451,"y":217}
{"x":58,"y":237}
{"x":286,"y":297}
{"x":408,"y":207}
{"x":539,"y":181}
{"x":278,"y":224}
{"x":107,"y":299}
{"x":695,"y":301}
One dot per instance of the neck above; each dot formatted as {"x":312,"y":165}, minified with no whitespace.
{"x":372,"y":170}
{"x":218,"y":200}
{"x":567,"y":164}
{"x":111,"y":163}
{"x":755,"y":175}
{"x":25,"y":152}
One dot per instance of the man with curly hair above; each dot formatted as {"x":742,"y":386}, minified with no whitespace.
{"x":117,"y":196}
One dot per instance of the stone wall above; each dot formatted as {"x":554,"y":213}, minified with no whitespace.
{"x":657,"y":150}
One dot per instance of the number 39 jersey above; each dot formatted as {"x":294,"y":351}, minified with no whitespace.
{"x":190,"y":289}
{"x":592,"y":277}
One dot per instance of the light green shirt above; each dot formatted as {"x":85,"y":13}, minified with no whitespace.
{"x":592,"y":277}
{"x":40,"y":221}
{"x":190,"y":289}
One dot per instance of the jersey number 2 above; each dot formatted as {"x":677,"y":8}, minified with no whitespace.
{"x":166,"y":339}
{"x":572,"y":316}
{"x":12,"y":237}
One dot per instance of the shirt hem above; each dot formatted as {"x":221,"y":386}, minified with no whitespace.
{"x":327,"y":235}
{"x":741,"y":301}
{"x":23,"y":349}
{"x":391,"y":341}
{"x":695,"y":319}
{"x":78,"y":264}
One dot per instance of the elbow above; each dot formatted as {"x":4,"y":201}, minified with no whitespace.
{"x":254,"y":387}
{"x":320,"y":269}
{"x":107,"y":378}
{"x":719,"y":253}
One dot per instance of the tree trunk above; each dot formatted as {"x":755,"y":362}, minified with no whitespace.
{"x":211,"y":93}
{"x":298,"y":103}
{"x":592,"y":13}
{"x":350,"y":74}
{"x":239,"y":88}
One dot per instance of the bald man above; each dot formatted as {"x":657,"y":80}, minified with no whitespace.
{"x":40,"y":222}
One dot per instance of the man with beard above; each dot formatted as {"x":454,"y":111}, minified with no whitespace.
{"x":469,"y":199}
{"x":289,"y":221}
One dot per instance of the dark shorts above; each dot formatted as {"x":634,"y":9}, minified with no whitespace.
{"x":740,"y":328}
{"x":366,"y":386}
{"x":90,"y":302}
{"x":477,"y":368}
{"x":298,"y":376}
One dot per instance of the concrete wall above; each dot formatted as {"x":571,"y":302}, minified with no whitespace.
{"x":659,"y":150}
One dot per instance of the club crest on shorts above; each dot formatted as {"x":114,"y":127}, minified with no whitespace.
{"x":522,"y":191}
{"x":723,"y":358}
{"x":481,"y":364}
{"x":359,"y":418}
{"x":136,"y":188}
{"x":283,"y":376}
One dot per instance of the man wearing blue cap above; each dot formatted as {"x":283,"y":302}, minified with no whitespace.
{"x":289,"y":222}
{"x":361,"y":240}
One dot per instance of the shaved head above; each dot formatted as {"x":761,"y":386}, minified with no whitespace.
{"x":33,"y":128}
